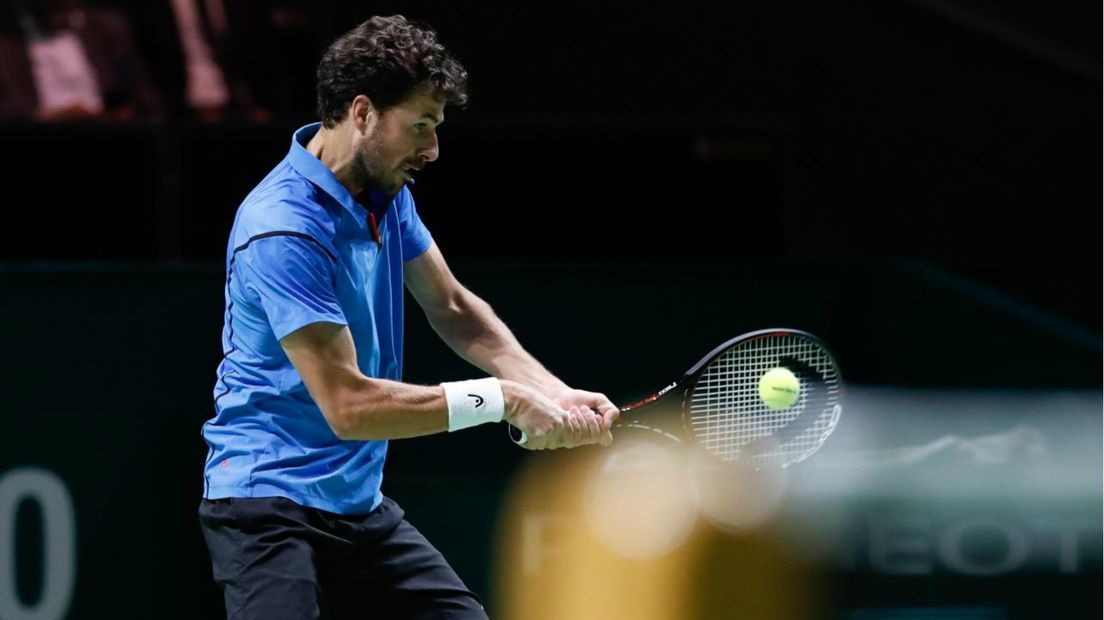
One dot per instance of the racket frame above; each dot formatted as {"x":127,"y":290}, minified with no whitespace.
{"x":688,"y":379}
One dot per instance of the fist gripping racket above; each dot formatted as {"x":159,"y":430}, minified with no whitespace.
{"x":725,"y":405}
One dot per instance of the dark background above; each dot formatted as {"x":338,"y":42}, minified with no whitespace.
{"x":961,"y":132}
{"x":915,"y":181}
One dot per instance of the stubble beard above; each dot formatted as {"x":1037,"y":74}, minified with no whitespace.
{"x":372,"y":173}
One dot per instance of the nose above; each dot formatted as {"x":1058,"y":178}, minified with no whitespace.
{"x":432,"y":149}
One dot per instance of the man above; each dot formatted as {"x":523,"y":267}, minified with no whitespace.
{"x":308,"y":392}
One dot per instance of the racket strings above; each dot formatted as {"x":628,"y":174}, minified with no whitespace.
{"x":727,"y":416}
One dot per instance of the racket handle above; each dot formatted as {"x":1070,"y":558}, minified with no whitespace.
{"x":517,"y":435}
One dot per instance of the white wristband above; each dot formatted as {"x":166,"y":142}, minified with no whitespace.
{"x":470,"y":403}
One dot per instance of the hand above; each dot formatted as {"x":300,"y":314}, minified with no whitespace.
{"x":539,"y":418}
{"x":592,"y":405}
{"x":546,"y":424}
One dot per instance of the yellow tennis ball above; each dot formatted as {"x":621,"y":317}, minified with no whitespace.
{"x":779,"y":388}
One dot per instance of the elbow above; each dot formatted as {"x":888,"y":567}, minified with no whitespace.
{"x":346,"y":429}
{"x":340,"y":411}
{"x":348,"y":410}
{"x":342,"y":421}
{"x":447,"y":314}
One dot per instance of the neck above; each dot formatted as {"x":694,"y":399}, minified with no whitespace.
{"x":335,"y":150}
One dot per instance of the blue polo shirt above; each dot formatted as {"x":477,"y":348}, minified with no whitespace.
{"x":302,"y":251}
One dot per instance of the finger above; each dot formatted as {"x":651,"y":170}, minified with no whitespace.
{"x":583,"y":398}
{"x":569,"y":438}
{"x":595,"y":401}
{"x":594,"y":428}
{"x":582,"y":417}
{"x":571,"y":425}
{"x":604,"y":420}
{"x":553,"y":431}
{"x":553,"y":439}
{"x":609,"y":414}
{"x":558,"y":432}
{"x":589,"y":416}
{"x":607,"y":438}
{"x":601,"y":401}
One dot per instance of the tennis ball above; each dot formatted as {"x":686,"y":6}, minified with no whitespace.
{"x":779,"y":388}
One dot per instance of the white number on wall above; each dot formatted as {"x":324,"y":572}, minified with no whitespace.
{"x":59,"y":544}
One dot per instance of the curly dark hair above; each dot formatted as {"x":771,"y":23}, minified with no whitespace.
{"x":386,"y":58}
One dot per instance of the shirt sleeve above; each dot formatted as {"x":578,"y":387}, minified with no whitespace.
{"x":415,"y":236}
{"x":293,"y":277}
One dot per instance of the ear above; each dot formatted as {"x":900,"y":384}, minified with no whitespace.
{"x":363,"y":113}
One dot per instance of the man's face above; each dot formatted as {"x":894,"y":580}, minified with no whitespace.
{"x":400,"y":141}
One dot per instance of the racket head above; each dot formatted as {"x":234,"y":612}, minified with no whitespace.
{"x":724,"y":415}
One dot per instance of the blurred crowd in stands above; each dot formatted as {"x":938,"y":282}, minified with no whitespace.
{"x":158,"y":60}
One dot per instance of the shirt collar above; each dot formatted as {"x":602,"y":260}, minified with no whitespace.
{"x":316,"y":172}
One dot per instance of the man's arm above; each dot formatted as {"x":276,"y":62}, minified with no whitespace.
{"x":356,"y":406}
{"x":470,"y":327}
{"x":360,"y":407}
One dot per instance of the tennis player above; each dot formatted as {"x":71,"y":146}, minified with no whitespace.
{"x":309,"y":393}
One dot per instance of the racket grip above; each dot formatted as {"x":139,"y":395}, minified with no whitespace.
{"x":517,"y":435}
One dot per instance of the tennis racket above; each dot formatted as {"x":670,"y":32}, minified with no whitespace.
{"x":717,"y":406}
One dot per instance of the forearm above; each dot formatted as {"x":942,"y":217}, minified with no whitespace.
{"x":363,"y":408}
{"x":382,"y":409}
{"x":367,"y":409}
{"x":471,"y":328}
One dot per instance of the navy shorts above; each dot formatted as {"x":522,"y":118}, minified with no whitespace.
{"x":274,"y":559}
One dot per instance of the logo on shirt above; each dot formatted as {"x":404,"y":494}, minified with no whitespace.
{"x":478,"y":400}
